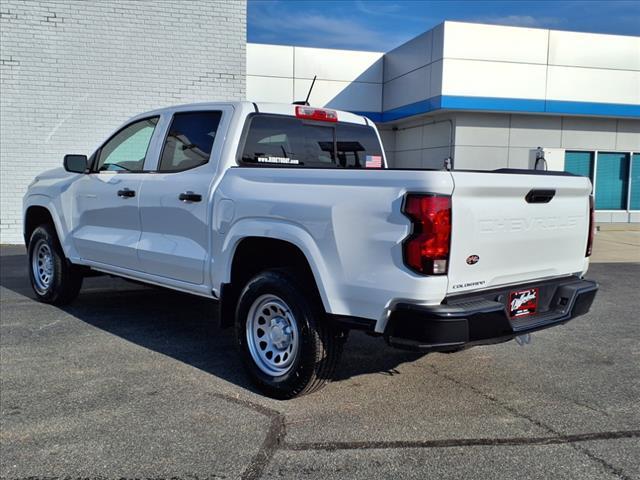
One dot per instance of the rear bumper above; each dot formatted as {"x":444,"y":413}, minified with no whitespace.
{"x":481,"y":318}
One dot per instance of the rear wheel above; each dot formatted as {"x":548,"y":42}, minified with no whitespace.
{"x":53,"y":278}
{"x":286,"y":343}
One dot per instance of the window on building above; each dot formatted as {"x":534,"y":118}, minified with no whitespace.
{"x":612,"y":181}
{"x":189,"y":141}
{"x":579,"y":163}
{"x":634,"y":201}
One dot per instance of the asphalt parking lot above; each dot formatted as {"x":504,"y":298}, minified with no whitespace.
{"x":136,"y":382}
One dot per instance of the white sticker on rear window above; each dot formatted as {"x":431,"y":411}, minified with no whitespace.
{"x":281,"y":160}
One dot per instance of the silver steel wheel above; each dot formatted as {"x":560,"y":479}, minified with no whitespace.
{"x":42,"y":264}
{"x":272,"y":335}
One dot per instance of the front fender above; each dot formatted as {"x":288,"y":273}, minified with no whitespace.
{"x":53,"y":206}
{"x":277,"y":230}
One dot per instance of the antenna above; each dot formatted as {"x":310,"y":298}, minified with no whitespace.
{"x":306,"y":102}
{"x":310,"y":88}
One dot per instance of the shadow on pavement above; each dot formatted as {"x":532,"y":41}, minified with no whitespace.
{"x":184,"y":326}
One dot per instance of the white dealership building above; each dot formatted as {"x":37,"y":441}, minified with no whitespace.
{"x":484,"y":96}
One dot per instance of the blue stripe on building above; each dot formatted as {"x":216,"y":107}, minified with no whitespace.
{"x":510,"y":105}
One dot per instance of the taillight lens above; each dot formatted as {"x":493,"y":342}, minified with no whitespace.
{"x":320,"y":114}
{"x":592,"y":227}
{"x":426,"y":250}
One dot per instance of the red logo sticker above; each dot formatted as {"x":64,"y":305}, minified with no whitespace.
{"x":523,"y":302}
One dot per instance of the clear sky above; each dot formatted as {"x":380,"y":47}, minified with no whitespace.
{"x":381,"y":25}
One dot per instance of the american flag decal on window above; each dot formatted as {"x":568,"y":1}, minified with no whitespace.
{"x":373,"y":161}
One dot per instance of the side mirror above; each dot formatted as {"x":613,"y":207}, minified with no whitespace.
{"x":76,"y":163}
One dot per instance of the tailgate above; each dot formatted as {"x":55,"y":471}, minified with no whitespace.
{"x":500,"y":237}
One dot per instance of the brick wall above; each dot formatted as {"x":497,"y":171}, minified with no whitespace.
{"x":71,"y":72}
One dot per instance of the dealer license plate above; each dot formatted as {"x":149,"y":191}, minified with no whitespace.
{"x":523,"y":302}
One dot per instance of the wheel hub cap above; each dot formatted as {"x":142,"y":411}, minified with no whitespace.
{"x":272,"y":335}
{"x":42,"y":266}
{"x":280,"y":333}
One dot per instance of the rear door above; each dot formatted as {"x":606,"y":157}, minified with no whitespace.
{"x":175,"y":206}
{"x":514,"y":228}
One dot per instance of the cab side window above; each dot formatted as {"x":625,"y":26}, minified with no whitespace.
{"x":127,"y":149}
{"x":189,"y":140}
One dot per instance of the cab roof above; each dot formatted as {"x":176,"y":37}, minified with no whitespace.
{"x":290,"y":109}
{"x":262,"y":107}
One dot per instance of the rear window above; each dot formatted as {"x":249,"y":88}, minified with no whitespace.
{"x":274,"y":140}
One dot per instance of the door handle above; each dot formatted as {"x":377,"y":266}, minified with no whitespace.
{"x":540,"y":196}
{"x":190,"y":197}
{"x":126,"y":193}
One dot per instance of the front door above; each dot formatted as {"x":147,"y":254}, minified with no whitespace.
{"x":106,"y":217}
{"x":175,"y":206}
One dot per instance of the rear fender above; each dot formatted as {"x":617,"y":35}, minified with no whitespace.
{"x":277,"y":230}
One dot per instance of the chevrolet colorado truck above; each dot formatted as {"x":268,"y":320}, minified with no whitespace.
{"x":288,"y":217}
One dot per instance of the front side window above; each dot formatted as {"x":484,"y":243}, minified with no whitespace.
{"x":189,"y":141}
{"x":127,"y":149}
{"x":274,"y":140}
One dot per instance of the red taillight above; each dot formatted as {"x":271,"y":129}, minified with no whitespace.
{"x":426,"y":250}
{"x":320,"y":114}
{"x":592,"y":227}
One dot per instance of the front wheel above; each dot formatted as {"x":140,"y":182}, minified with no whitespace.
{"x":53,"y":278}
{"x":287,"y":345}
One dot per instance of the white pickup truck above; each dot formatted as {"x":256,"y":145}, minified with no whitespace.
{"x":287,"y":216}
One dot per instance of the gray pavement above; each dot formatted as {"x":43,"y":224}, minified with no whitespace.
{"x":138,"y":382}
{"x":617,"y":246}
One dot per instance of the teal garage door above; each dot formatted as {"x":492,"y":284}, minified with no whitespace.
{"x":612,"y":181}
{"x":579,"y":163}
{"x":635,"y":182}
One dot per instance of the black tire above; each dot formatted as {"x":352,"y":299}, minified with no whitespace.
{"x":65,"y":280}
{"x":319,"y":346}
